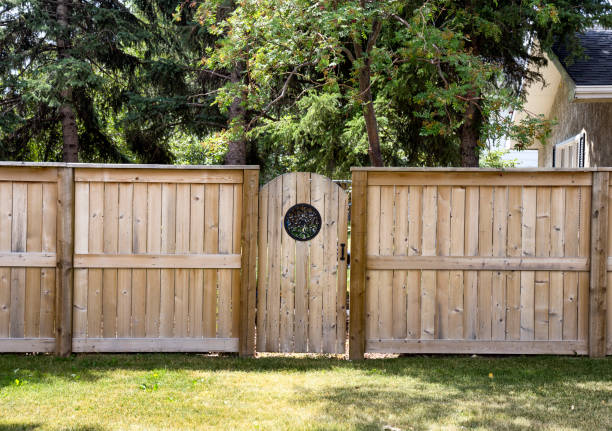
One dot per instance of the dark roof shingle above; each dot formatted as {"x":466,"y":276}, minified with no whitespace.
{"x":596,"y":69}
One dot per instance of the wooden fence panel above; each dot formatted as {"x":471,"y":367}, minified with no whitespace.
{"x":28,"y":214}
{"x":302,"y":284}
{"x":501,"y":261}
{"x":158,"y":259}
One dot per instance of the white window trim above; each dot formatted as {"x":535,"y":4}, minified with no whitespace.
{"x":568,"y":143}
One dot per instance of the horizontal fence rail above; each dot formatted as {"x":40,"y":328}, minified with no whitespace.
{"x":479,"y":261}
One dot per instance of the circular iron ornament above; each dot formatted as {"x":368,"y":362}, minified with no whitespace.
{"x":302,"y":222}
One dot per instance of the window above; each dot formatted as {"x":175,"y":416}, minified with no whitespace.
{"x":570,"y":153}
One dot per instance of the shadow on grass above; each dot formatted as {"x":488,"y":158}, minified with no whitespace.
{"x":465,"y":406}
{"x":18,"y":427}
{"x":32,"y":427}
{"x":461,"y":371}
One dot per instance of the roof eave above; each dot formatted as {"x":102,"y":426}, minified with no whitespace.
{"x":592,"y":93}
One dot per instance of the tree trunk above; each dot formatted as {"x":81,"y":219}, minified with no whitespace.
{"x":369,"y":115}
{"x":236,"y":152}
{"x":470,"y":135}
{"x":70,"y":150}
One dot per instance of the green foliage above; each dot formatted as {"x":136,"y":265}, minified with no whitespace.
{"x":188,"y":150}
{"x":132,"y":71}
{"x":494,"y":158}
{"x":153,"y":81}
{"x":432,"y":60}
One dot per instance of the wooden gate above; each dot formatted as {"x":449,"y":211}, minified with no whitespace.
{"x":301,"y":293}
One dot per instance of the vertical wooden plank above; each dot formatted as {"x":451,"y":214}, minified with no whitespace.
{"x":236,"y":249}
{"x":81,"y":218}
{"x":47,"y":275}
{"x":584,"y":250}
{"x":498,"y":285}
{"x":385,"y":278}
{"x":263,"y":285}
{"x":400,"y":248}
{"x":599,"y":258}
{"x":317,"y":256}
{"x":330,"y":267}
{"x":302,"y":250}
{"x":514,"y":249}
{"x":570,"y":279}
{"x":373,"y":249}
{"x":5,"y":301}
{"x":248,"y":263}
{"x":443,"y":245}
{"x":168,"y":246}
{"x":428,"y":278}
{"x":17,"y":313}
{"x":124,"y":276}
{"x":608,"y":297}
{"x":413,"y":277}
{"x":226,"y":220}
{"x":500,"y":221}
{"x":33,"y":244}
{"x":470,"y":278}
{"x":357,"y":297}
{"x":65,"y":253}
{"x":79,"y":325}
{"x":457,"y":235}
{"x":81,"y":246}
{"x":287,"y":280}
{"x":557,"y":249}
{"x":139,"y":246}
{"x":485,"y":278}
{"x":196,"y":276}
{"x":542,"y":278}
{"x":20,"y":217}
{"x":6,"y":218}
{"x":153,"y":296}
{"x":109,"y":276}
{"x":96,"y":245}
{"x":181,"y":287}
{"x":273,"y":291}
{"x":528,"y":277}
{"x":341,"y":286}
{"x":211,"y":245}
{"x":18,"y":275}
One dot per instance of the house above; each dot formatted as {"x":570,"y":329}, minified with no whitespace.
{"x":578,"y":95}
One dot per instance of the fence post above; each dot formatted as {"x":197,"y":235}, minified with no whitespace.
{"x":250,"y":215}
{"x":65,"y":250}
{"x":599,"y":264}
{"x":358,"y":265}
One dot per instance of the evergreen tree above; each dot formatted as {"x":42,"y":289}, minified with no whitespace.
{"x":98,"y":81}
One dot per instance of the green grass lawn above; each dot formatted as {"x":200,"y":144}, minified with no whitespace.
{"x":174,"y":391}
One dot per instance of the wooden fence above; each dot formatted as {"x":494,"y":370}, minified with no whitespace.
{"x":156,"y":258}
{"x":473,"y":261}
{"x":28,"y":215}
{"x":163,"y":258}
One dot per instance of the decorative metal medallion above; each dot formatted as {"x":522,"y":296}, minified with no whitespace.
{"x":302,"y":222}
